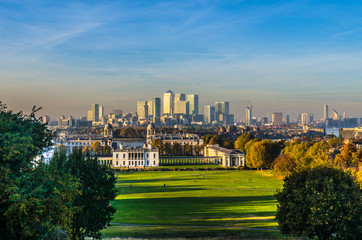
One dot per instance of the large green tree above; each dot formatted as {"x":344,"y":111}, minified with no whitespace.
{"x":92,"y":210}
{"x":242,"y":140}
{"x":34,"y":202}
{"x":322,"y":202}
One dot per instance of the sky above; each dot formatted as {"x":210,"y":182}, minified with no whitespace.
{"x":283,"y":56}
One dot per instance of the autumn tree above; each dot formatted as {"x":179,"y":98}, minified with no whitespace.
{"x":96,"y":147}
{"x":322,"y":202}
{"x":242,"y":140}
{"x":177,"y":149}
{"x":157,"y":143}
{"x":167,"y":148}
{"x":349,"y":157}
{"x":284,"y":164}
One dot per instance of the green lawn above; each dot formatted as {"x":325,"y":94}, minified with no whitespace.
{"x":194,"y":202}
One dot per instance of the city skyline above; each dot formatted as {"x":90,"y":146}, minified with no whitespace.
{"x":290,"y":57}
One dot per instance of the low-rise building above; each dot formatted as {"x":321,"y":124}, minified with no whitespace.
{"x":228,"y":157}
{"x":135,"y":157}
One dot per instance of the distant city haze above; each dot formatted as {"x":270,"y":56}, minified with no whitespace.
{"x":282,"y":56}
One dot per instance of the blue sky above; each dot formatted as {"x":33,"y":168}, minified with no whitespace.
{"x":288,"y":56}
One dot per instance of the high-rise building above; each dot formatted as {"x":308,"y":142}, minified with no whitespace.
{"x":150,"y":108}
{"x":156,"y":107}
{"x":277,"y":118}
{"x":222,"y":107}
{"x":287,"y":119}
{"x":95,"y":113}
{"x":193,"y":104}
{"x":101,"y":112}
{"x":248,"y":116}
{"x":325,"y":112}
{"x":90,"y":115}
{"x":335,"y":115}
{"x":304,"y":119}
{"x":142,"y":110}
{"x":181,"y":107}
{"x":168,"y":102}
{"x":209,"y":114}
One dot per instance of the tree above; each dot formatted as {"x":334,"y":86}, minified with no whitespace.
{"x":177,"y":149}
{"x":33,"y":200}
{"x":157,"y":143}
{"x":197,"y":149}
{"x":97,"y":147}
{"x":262,"y":154}
{"x":187,"y":149}
{"x":322,"y":202}
{"x":284,"y":164}
{"x":167,"y":148}
{"x":348,"y":156}
{"x":227,"y":143}
{"x":242,"y":140}
{"x":91,"y":208}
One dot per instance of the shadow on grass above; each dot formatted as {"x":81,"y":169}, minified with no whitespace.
{"x":194,"y":210}
{"x":156,"y":189}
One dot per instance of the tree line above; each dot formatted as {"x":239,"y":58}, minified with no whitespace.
{"x":69,"y":198}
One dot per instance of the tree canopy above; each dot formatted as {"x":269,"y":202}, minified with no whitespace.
{"x":323,"y":202}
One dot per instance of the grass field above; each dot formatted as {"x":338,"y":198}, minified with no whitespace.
{"x":194,"y":203}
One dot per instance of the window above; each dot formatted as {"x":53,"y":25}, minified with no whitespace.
{"x":154,"y":155}
{"x":141,"y":162}
{"x":124,"y":163}
{"x":117,"y":163}
{"x":124,"y":155}
{"x":147,"y":162}
{"x":154,"y":162}
{"x":116,"y":156}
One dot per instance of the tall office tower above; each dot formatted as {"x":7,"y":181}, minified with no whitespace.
{"x":181,"y":107}
{"x":168,"y":101}
{"x":89,"y":116}
{"x":335,"y":115}
{"x":156,"y":108}
{"x":180,"y":97}
{"x":264,"y":120}
{"x":101,"y":112}
{"x":142,"y":110}
{"x":209,"y":114}
{"x":325,"y":112}
{"x":222,"y":107}
{"x":304,"y":119}
{"x":277,"y":118}
{"x":150,"y":108}
{"x":248,"y":116}
{"x":344,"y":115}
{"x":193,"y":104}
{"x":311,"y":118}
{"x":287,"y":119}
{"x":95,"y":113}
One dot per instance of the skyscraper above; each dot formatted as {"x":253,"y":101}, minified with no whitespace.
{"x":95,"y":113}
{"x":101,"y":113}
{"x":209,"y":114}
{"x":325,"y":112}
{"x":304,"y":120}
{"x":156,"y":108}
{"x":248,"y":116}
{"x":168,"y":102}
{"x":222,"y":107}
{"x":277,"y":118}
{"x":193,"y":104}
{"x":287,"y":119}
{"x":142,"y":110}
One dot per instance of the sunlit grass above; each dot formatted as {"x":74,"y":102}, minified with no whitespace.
{"x":222,"y":199}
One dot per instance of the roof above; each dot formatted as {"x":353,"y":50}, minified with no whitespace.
{"x":225,"y":150}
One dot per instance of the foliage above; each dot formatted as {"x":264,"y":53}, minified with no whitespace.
{"x":322,"y":202}
{"x":91,"y":209}
{"x":262,"y":154}
{"x":284,"y":164}
{"x":177,"y":149}
{"x":335,"y":142}
{"x":242,"y":141}
{"x":349,"y":156}
{"x":34,"y":202}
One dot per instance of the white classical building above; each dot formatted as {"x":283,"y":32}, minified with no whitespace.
{"x":228,"y":157}
{"x":136,"y":157}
